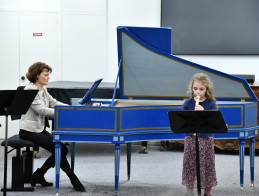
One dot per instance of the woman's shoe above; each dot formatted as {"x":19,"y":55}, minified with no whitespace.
{"x":75,"y":181}
{"x":38,"y":178}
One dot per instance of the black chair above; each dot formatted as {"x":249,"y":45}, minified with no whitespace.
{"x":22,"y":163}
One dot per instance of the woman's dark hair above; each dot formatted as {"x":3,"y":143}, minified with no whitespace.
{"x":35,"y":69}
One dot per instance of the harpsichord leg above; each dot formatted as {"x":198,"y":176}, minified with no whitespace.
{"x":117,"y":167}
{"x":128,"y":159}
{"x":252,"y":155}
{"x":72,"y":151}
{"x":57,"y":161}
{"x":241,"y":161}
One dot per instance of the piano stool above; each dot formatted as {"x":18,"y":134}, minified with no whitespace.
{"x":22,"y":164}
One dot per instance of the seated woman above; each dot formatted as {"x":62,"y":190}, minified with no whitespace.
{"x":33,"y":125}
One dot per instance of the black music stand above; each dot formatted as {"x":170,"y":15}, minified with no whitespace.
{"x":13,"y":102}
{"x":198,"y":121}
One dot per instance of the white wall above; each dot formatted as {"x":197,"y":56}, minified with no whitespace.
{"x":83,"y":40}
{"x":128,"y":13}
{"x":19,"y":48}
{"x":89,"y":38}
{"x":9,"y":50}
{"x":231,"y":64}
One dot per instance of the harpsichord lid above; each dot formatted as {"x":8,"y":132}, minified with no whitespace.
{"x":149,"y":70}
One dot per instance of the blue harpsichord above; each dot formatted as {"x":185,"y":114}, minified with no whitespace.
{"x":152,"y":81}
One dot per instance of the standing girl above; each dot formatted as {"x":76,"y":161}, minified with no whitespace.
{"x":202,"y":98}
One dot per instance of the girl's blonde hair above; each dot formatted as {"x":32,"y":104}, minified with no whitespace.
{"x":205,"y":80}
